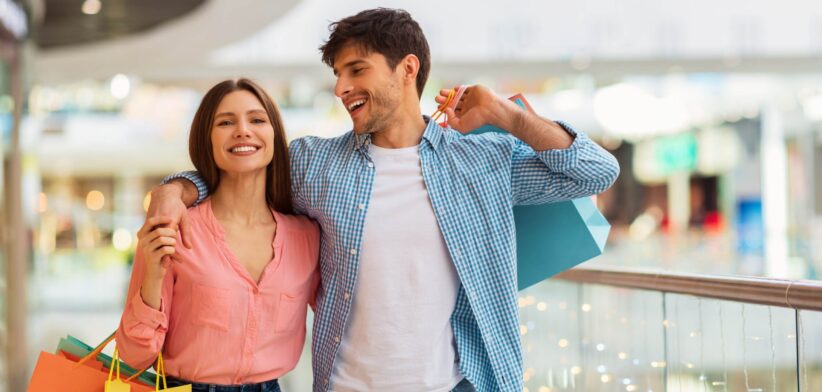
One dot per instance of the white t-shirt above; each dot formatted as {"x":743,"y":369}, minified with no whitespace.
{"x":399,"y":335}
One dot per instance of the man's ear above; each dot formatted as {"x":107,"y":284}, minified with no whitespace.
{"x":410,"y":66}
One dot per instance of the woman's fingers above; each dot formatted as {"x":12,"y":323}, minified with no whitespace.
{"x":152,"y":223}
{"x":163,"y":241}
{"x":158,"y":232}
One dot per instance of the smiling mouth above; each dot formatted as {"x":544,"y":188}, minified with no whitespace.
{"x":242,"y":150}
{"x":356,"y":106}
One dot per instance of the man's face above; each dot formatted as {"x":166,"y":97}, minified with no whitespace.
{"x":369,"y":89}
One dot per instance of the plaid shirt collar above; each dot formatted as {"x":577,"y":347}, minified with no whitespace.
{"x":433,"y":134}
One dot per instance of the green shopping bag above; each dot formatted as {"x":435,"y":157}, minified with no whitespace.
{"x":553,"y":237}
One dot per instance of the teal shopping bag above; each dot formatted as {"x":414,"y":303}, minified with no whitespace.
{"x":80,"y":349}
{"x":553,"y":237}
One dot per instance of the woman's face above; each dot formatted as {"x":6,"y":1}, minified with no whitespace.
{"x":242,"y":137}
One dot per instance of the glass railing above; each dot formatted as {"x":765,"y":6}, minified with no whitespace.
{"x":612,"y":330}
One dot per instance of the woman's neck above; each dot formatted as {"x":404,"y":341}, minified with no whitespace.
{"x":241,"y":198}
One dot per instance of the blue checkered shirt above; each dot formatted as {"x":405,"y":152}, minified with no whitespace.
{"x":473,"y":183}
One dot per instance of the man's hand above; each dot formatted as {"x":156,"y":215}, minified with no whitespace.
{"x":167,"y":201}
{"x":479,"y":106}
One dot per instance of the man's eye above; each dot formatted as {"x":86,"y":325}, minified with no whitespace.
{"x":356,"y":71}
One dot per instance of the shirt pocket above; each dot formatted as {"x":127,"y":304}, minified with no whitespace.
{"x":211,"y":306}
{"x":291,"y":312}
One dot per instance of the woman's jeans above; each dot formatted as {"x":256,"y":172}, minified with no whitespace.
{"x":267,"y":386}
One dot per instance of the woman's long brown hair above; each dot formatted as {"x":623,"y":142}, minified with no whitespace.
{"x":278,"y":171}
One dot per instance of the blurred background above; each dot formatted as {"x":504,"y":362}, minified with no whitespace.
{"x":713,"y":109}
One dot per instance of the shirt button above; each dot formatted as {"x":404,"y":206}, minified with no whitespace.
{"x":370,"y":164}
{"x":361,"y":206}
{"x":353,"y":251}
{"x":337,"y":339}
{"x":346,"y":296}
{"x":324,"y":381}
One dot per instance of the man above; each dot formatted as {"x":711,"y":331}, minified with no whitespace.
{"x":418,"y":266}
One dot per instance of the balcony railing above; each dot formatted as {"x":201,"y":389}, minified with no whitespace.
{"x":618,"y":330}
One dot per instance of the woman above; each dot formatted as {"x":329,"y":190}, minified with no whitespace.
{"x":231,"y":310}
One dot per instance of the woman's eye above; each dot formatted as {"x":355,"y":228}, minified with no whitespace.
{"x":258,"y":121}
{"x":224,"y":123}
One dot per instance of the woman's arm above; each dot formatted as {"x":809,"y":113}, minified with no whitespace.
{"x":144,"y":324}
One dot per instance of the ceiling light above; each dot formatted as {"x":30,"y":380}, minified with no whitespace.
{"x":91,"y":7}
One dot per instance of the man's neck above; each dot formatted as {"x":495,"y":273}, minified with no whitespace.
{"x":405,"y":130}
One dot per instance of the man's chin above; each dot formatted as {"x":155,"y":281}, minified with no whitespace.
{"x":360,"y":130}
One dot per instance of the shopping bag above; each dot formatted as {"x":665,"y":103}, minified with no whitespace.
{"x":78,"y":349}
{"x":555,"y":237}
{"x":92,"y":363}
{"x":552,"y":237}
{"x":161,"y":372}
{"x":54,"y":372}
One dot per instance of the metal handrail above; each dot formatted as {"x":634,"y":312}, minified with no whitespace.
{"x":796,"y":294}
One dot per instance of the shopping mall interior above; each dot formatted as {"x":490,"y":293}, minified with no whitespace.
{"x":709,"y":277}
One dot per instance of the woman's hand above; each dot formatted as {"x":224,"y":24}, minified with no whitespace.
{"x":156,"y":241}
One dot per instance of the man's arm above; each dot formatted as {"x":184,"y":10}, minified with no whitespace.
{"x":550,"y":160}
{"x":479,"y":106}
{"x":172,"y":199}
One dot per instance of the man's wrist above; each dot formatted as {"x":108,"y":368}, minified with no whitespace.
{"x":177,"y":188}
{"x":195,"y":189}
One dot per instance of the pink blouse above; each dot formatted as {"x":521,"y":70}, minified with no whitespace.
{"x":216,"y":324}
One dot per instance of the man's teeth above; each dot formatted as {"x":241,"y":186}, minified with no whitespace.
{"x":244,"y":149}
{"x":355,"y":104}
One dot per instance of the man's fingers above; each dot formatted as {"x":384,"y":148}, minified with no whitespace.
{"x":185,"y":230}
{"x":453,"y":120}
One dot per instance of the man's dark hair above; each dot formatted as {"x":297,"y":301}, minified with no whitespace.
{"x":389,"y":32}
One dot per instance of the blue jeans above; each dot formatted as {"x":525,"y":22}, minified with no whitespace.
{"x":267,"y":386}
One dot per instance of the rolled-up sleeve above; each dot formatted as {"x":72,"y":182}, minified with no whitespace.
{"x":142,"y":329}
{"x":582,"y":169}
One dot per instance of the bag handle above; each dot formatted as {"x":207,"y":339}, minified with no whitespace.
{"x":97,"y":350}
{"x":161,"y":372}
{"x":454,"y":95}
{"x":115,"y":362}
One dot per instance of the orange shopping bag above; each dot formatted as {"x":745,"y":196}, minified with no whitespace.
{"x":57,"y":373}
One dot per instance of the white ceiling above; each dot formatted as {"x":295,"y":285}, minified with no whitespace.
{"x":529,"y":38}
